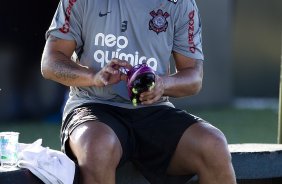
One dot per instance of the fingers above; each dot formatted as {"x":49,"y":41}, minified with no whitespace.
{"x":146,"y":100}
{"x":150,"y":97}
{"x":111,"y":73}
{"x":111,"y":70}
{"x":117,"y":64}
{"x":104,"y":77}
{"x":154,"y":93}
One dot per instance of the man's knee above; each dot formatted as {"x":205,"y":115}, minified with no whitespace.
{"x":99,"y":146}
{"x":214,"y":147}
{"x":105,"y":149}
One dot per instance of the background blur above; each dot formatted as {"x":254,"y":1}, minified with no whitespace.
{"x":242,"y":46}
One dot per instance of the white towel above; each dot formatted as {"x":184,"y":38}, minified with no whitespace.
{"x":51,"y":166}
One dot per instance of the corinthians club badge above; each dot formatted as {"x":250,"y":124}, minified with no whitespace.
{"x":158,"y":23}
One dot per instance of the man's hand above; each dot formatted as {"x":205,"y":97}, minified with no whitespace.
{"x":187,"y":81}
{"x":111,"y":73}
{"x":154,"y":93}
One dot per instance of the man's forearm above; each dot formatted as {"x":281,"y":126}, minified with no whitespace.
{"x":58,"y":67}
{"x":187,"y":82}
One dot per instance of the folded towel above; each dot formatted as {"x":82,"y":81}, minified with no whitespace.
{"x":51,"y":166}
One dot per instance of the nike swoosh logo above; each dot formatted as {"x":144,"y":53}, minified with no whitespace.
{"x":104,"y":14}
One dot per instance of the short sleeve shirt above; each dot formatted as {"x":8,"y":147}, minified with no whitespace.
{"x":137,"y":31}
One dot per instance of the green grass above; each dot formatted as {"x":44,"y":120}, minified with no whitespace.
{"x":244,"y":125}
{"x":31,"y":131}
{"x":239,"y":126}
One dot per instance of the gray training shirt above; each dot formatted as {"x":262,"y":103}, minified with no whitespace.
{"x":134,"y":30}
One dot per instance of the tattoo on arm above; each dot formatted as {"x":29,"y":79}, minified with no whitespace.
{"x":63,"y":68}
{"x":64,"y":71}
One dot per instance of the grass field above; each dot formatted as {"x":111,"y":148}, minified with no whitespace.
{"x":239,"y":126}
{"x":244,"y":125}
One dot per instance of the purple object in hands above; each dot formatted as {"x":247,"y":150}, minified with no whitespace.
{"x":140,"y":78}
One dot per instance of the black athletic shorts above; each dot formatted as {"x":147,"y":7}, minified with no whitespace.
{"x":148,"y":135}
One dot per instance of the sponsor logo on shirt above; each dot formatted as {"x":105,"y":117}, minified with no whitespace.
{"x":158,"y":23}
{"x":191,"y":26}
{"x":66,"y":26}
{"x":119,"y":42}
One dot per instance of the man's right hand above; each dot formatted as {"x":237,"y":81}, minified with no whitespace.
{"x":111,"y":74}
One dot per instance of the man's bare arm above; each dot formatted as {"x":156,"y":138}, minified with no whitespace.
{"x":56,"y":64}
{"x":187,"y":80}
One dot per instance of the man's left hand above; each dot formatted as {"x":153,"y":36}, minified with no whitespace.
{"x":154,"y":93}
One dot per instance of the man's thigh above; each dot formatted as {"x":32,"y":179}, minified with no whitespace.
{"x":157,"y":132}
{"x":94,"y":138}
{"x":195,"y":142}
{"x":93,"y":123}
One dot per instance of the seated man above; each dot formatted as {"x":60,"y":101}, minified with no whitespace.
{"x":102,"y":128}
